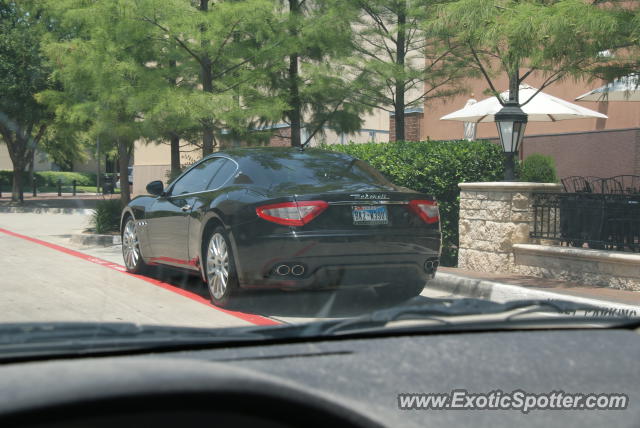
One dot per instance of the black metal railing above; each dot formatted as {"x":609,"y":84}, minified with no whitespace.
{"x":609,"y":221}
{"x":618,"y":185}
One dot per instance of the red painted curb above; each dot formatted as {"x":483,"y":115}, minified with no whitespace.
{"x":251,"y":318}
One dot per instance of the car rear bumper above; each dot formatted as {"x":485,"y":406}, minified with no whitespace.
{"x":331,"y":260}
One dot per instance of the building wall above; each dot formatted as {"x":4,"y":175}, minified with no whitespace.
{"x":412,"y":126}
{"x":42,"y":162}
{"x":600,"y":153}
{"x":153,"y":162}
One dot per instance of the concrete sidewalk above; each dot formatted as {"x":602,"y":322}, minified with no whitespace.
{"x":506,"y":287}
{"x":53,"y":204}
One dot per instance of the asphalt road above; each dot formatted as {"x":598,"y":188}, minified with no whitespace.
{"x":46,"y":278}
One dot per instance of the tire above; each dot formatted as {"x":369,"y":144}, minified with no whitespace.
{"x":131,"y":247}
{"x":220,"y":268}
{"x":402,"y":290}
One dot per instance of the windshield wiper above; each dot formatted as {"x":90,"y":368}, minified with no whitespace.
{"x":29,"y":339}
{"x":445,"y":311}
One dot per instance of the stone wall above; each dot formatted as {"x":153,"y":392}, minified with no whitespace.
{"x":495,"y":221}
{"x":585,"y":266}
{"x":494,"y":217}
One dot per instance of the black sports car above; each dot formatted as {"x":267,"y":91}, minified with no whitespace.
{"x":288,"y":219}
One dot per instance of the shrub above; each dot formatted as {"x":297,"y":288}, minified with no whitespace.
{"x":50,"y":178}
{"x":538,"y":168}
{"x":106,"y":216}
{"x":436,"y":168}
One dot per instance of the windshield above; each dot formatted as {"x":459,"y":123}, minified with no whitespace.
{"x":315,"y":168}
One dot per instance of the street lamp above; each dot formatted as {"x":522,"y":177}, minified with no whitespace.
{"x":511,"y":122}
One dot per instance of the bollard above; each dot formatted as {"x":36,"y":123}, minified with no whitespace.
{"x":74,"y":187}
{"x":35,"y":187}
{"x":59,"y":187}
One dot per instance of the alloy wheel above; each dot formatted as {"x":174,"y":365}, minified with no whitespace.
{"x":130,"y":245}
{"x":217,"y":265}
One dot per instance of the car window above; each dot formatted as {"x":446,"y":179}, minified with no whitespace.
{"x":225,"y":171}
{"x":198,"y":177}
{"x":302,"y":169}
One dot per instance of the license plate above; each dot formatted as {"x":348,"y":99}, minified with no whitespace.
{"x":369,"y":214}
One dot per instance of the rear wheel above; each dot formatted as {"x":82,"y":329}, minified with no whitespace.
{"x":131,"y":247}
{"x":220,"y":268}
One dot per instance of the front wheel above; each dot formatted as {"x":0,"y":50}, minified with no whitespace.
{"x":131,"y":248}
{"x":220,"y":268}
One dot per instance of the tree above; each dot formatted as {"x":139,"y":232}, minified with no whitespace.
{"x":623,"y":52}
{"x":404,"y":65}
{"x":312,"y":73}
{"x":101,"y":68}
{"x":222,"y":47}
{"x":23,"y":73}
{"x":554,"y":38}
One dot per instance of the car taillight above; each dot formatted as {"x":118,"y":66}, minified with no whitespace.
{"x":292,"y":213}
{"x":427,"y":210}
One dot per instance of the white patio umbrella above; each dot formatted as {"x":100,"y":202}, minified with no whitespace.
{"x":542,"y":108}
{"x":624,"y":89}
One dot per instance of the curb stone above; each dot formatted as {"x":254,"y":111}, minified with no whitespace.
{"x":45,"y":210}
{"x":501,"y":292}
{"x":90,"y":239}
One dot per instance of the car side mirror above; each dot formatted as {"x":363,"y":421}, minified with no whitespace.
{"x":155,"y":188}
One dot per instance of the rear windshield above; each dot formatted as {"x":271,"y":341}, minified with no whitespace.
{"x":314,"y":170}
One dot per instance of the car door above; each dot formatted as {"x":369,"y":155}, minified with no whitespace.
{"x":168,"y":218}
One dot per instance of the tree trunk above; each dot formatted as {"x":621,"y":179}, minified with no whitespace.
{"x":17,"y":194}
{"x":293,"y":113}
{"x":123,"y":158}
{"x":32,"y":161}
{"x":206,"y":78}
{"x":514,"y":86}
{"x":400,"y":83}
{"x":175,"y":155}
{"x":207,"y":86}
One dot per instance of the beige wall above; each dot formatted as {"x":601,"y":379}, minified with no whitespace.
{"x":621,"y":114}
{"x":42,"y":163}
{"x":152,"y":161}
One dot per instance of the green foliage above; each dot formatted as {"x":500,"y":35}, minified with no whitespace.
{"x":436,"y":168}
{"x":106,"y":216}
{"x":554,"y":39}
{"x":50,"y":178}
{"x":23,"y":73}
{"x":538,"y":168}
{"x":403,"y":65}
{"x":310,"y":69}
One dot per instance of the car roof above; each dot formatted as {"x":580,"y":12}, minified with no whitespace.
{"x":240,"y":153}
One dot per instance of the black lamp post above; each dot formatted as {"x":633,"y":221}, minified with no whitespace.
{"x":511,"y":122}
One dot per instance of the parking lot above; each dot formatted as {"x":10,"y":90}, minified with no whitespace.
{"x":47,"y":277}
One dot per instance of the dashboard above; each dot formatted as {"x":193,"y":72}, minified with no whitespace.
{"x":350,"y":383}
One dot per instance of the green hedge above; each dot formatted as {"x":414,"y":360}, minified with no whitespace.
{"x":436,"y":168}
{"x":50,"y":178}
{"x":538,"y":168}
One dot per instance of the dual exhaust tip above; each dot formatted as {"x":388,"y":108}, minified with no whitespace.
{"x":295,"y":270}
{"x":430,"y":266}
